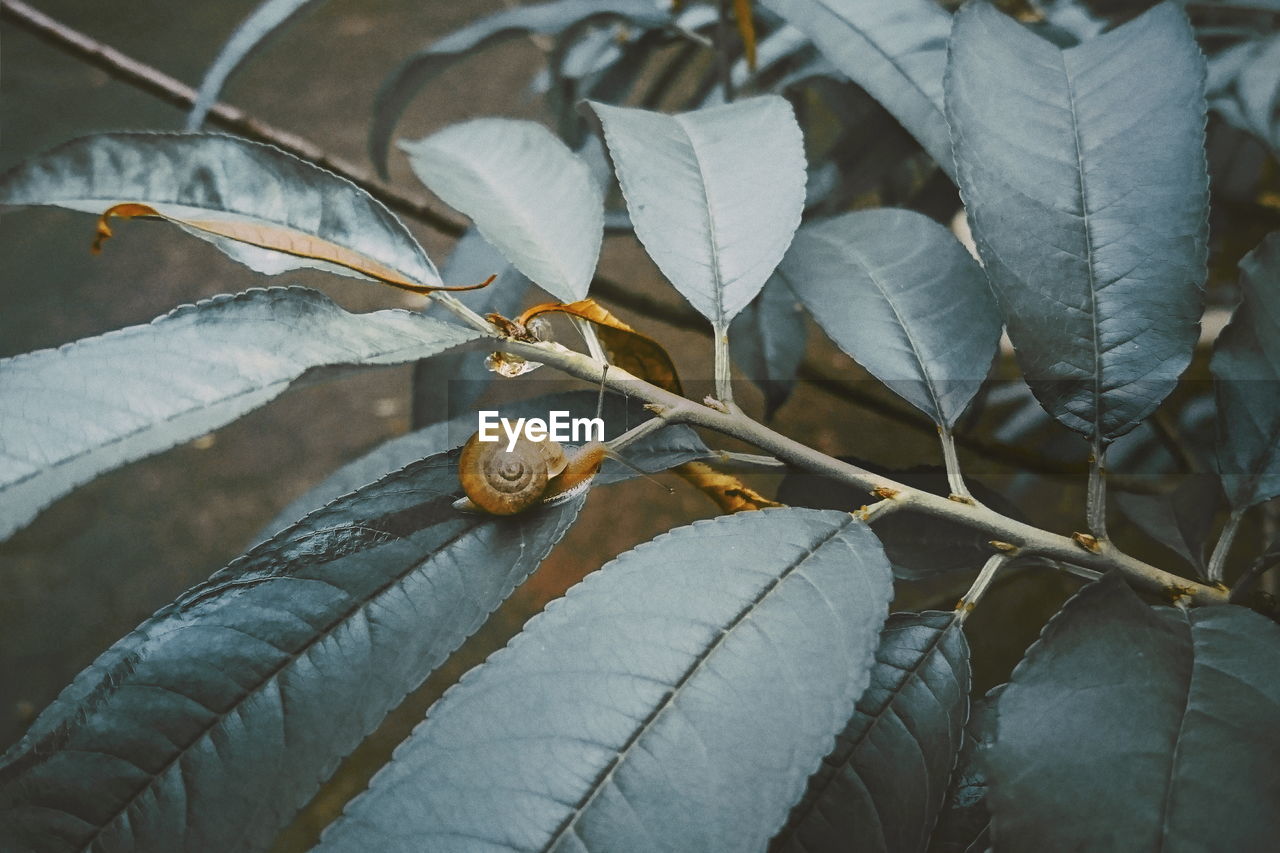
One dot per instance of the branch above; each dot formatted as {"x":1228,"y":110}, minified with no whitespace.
{"x":155,"y":82}
{"x":1102,"y":556}
{"x":1030,"y":541}
{"x":981,"y":584}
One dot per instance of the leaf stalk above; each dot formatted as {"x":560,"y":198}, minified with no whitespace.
{"x":1096,"y":497}
{"x":981,"y":584}
{"x":1218,"y":559}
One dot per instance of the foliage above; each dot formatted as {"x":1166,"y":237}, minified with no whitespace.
{"x":737,"y":683}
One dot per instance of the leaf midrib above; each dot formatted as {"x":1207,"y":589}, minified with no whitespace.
{"x":809,"y":803}
{"x":1096,"y":389}
{"x":717,"y":278}
{"x":886,"y":295}
{"x":371,"y":359}
{"x":320,"y":635}
{"x":1166,"y":801}
{"x":648,"y":723}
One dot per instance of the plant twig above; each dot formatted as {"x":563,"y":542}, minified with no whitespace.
{"x":636,"y":433}
{"x":1218,"y":559}
{"x":1029,"y":540}
{"x":955,"y":480}
{"x":1096,"y":497}
{"x":175,"y":92}
{"x":724,"y":383}
{"x":732,"y":461}
{"x":155,"y":82}
{"x":981,"y":584}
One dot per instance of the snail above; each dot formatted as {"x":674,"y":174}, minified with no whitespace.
{"x":532,"y":473}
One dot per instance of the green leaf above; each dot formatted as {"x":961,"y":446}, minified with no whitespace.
{"x":213,"y":722}
{"x":768,"y":340}
{"x":899,"y":294}
{"x":670,"y":446}
{"x":715,"y":195}
{"x":266,"y":19}
{"x":548,"y":19}
{"x":1132,"y":728}
{"x":263,"y":207}
{"x":75,"y":412}
{"x":675,"y":700}
{"x":896,"y":51}
{"x":1244,"y":87}
{"x":528,"y":194}
{"x":882,"y":787}
{"x":964,"y":826}
{"x":1246,"y":372}
{"x":1083,"y":172}
{"x":1181,"y":520}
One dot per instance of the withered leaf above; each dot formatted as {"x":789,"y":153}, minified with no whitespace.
{"x":275,"y":238}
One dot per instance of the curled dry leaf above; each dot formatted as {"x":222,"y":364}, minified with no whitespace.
{"x":746,"y":29}
{"x":275,"y":238}
{"x":508,"y":365}
{"x":635,"y":353}
{"x":729,"y":493}
{"x":647,"y":359}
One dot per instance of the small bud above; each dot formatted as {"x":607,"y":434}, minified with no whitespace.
{"x":510,"y":366}
{"x":1087,"y":542}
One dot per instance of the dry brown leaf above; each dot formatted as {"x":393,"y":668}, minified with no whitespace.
{"x":276,"y":239}
{"x":635,"y":353}
{"x":729,"y":493}
{"x":747,"y":29}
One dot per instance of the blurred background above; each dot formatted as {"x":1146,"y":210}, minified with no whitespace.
{"x":102,"y":559}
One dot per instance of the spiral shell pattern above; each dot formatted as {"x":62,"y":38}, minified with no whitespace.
{"x":501,"y":482}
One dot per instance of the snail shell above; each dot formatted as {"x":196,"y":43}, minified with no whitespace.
{"x":502,"y":482}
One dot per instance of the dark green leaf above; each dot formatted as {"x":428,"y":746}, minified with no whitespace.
{"x":899,"y":294}
{"x":213,"y":722}
{"x":545,"y":19}
{"x":918,"y":545}
{"x":528,"y":194}
{"x":93,"y":405}
{"x":1180,"y":520}
{"x":263,"y":207}
{"x":253,"y":30}
{"x":715,"y":214}
{"x":1244,"y":87}
{"x":1132,"y":728}
{"x":1246,"y":370}
{"x":1083,"y":172}
{"x":675,"y":700}
{"x":882,"y":787}
{"x":896,"y":51}
{"x":767,"y":341}
{"x":964,"y":824}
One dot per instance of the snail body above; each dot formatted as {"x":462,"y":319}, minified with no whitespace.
{"x":533,"y":473}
